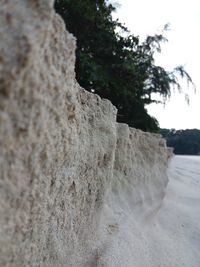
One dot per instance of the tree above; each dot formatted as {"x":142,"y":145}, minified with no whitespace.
{"x":185,"y":142}
{"x":115,"y":64}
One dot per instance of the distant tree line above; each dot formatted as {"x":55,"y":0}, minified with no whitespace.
{"x":184,"y":142}
{"x":116,"y":64}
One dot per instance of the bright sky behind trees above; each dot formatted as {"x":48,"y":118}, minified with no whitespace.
{"x":146,"y":17}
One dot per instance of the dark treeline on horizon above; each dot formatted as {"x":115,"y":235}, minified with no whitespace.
{"x":184,"y":142}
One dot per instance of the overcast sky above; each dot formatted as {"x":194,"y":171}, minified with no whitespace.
{"x":144,"y":17}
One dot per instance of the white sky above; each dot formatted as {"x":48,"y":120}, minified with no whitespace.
{"x":143,"y":17}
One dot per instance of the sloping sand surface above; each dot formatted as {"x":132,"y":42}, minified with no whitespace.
{"x":168,"y":236}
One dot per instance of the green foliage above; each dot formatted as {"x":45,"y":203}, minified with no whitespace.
{"x":185,"y":142}
{"x":117,"y":65}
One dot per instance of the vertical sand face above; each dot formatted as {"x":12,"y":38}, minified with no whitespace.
{"x":62,"y":153}
{"x":134,"y":200}
{"x":140,"y":169}
{"x":57,"y":143}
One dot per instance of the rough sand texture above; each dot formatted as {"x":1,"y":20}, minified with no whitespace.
{"x":61,"y":148}
{"x":57,"y":143}
{"x":77,"y":189}
{"x":169,"y":236}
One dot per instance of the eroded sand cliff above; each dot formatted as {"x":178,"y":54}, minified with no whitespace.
{"x":62,"y":152}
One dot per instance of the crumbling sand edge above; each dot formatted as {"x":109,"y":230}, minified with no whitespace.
{"x":61,"y":148}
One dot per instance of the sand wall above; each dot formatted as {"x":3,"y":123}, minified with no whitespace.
{"x":62,"y":152}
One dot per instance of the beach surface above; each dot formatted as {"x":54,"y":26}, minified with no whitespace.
{"x":168,"y":236}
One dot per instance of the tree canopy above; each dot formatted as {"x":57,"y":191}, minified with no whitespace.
{"x":114,"y":63}
{"x":185,"y":142}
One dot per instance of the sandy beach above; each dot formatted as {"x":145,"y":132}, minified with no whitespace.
{"x":169,"y":236}
{"x":87,"y":179}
